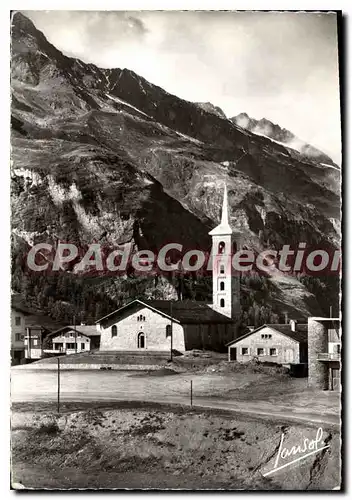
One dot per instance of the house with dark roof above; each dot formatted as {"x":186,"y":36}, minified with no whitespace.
{"x":72,"y":339}
{"x":28,"y":329}
{"x":163,"y":325}
{"x":279,"y":343}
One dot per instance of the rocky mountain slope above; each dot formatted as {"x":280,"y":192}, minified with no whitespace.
{"x":103,"y":155}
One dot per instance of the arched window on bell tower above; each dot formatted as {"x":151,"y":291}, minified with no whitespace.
{"x":221,"y":248}
{"x":222,"y":286}
{"x":222,"y":302}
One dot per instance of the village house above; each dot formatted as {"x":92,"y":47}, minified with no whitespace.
{"x":18,"y":332}
{"x":25,"y":330}
{"x":279,"y":343}
{"x":72,"y":339}
{"x":162,"y":325}
{"x":33,"y":342}
{"x":28,"y":330}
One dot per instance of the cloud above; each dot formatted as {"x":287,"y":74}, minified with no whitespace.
{"x":282,"y":66}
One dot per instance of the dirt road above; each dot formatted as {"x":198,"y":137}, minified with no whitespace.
{"x":209,"y":391}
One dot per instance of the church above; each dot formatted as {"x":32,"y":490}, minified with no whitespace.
{"x":162,"y":325}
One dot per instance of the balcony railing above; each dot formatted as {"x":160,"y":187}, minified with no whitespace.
{"x":329,"y":356}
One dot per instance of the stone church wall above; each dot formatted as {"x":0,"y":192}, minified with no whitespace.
{"x":130,"y":329}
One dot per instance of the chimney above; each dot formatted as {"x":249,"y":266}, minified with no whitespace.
{"x":293,"y":325}
{"x":286,"y":318}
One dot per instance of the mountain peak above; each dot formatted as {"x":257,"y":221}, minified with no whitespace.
{"x":279,"y":134}
{"x":210,"y":108}
{"x":22,"y":24}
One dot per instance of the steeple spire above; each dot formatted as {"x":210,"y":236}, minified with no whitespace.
{"x":224,"y":226}
{"x":225,"y":213}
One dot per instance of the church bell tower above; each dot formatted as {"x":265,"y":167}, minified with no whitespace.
{"x":226,"y":298}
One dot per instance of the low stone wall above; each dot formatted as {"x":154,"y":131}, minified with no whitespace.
{"x":87,"y":366}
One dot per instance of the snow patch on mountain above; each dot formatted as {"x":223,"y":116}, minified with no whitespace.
{"x":331,"y":166}
{"x":120,"y":101}
{"x":189,"y":138}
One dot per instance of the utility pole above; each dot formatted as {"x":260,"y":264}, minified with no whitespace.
{"x":58,"y":385}
{"x":171,"y":330}
{"x":41,"y":341}
{"x":74,"y":326}
{"x":29,"y":342}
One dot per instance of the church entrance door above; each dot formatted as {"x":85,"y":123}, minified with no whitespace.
{"x":141,"y":340}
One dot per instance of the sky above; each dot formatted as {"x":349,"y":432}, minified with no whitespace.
{"x":281,"y":66}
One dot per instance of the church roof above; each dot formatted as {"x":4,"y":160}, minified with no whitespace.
{"x":190,"y":311}
{"x":182,"y":311}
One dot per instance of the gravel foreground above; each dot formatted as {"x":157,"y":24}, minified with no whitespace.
{"x":161,"y":449}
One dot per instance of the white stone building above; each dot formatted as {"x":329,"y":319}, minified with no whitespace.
{"x":278,"y":343}
{"x":158,"y":325}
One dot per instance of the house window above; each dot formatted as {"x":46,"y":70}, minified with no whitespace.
{"x":114,"y":331}
{"x":18,"y":337}
{"x":140,"y":318}
{"x":221,"y":248}
{"x":266,"y":336}
{"x":260,"y":351}
{"x":222,"y":302}
{"x":222,"y":269}
{"x":168,"y":331}
{"x":83,"y":346}
{"x":22,"y":337}
{"x":273,"y":351}
{"x":17,"y":320}
{"x":222,"y":285}
{"x":245,"y":351}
